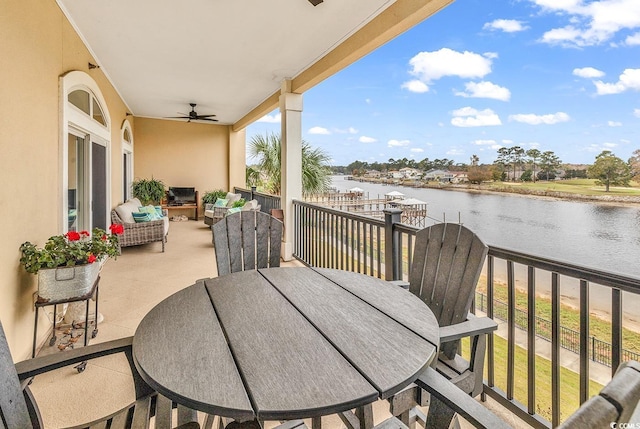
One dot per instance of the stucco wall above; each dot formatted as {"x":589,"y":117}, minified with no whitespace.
{"x":38,"y":46}
{"x":183,"y":153}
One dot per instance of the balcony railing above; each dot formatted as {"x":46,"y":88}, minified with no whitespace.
{"x":267,"y":202}
{"x":383,"y":248}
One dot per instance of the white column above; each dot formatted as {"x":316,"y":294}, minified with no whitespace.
{"x":291,"y":179}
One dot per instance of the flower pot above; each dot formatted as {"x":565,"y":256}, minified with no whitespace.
{"x":65,"y":283}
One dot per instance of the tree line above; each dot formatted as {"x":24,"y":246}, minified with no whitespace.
{"x":515,"y":164}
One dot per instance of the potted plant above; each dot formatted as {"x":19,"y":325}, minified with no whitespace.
{"x":68,"y":265}
{"x":148,"y":191}
{"x":210,"y":197}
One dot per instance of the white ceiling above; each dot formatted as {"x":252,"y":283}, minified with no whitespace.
{"x":225,"y":55}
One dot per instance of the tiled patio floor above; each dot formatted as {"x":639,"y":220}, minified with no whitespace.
{"x":130,"y":286}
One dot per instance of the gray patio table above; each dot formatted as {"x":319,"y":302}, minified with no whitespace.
{"x":285,"y":343}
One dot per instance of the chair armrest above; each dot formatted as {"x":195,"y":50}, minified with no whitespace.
{"x":463,"y":404}
{"x":32,"y":367}
{"x":471,"y":327}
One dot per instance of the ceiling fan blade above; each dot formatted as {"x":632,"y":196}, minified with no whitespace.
{"x":206,"y":119}
{"x":205,"y":116}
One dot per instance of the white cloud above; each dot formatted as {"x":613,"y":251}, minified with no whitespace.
{"x":367,"y":100}
{"x":591,"y":23}
{"x":470,"y":117}
{"x":271,"y":119}
{"x":588,"y":72}
{"x":415,"y":86}
{"x":365,"y":139}
{"x":633,"y":40}
{"x":507,"y":141}
{"x":455,"y":151}
{"x":349,"y":130}
{"x":636,"y":113}
{"x":610,"y":145}
{"x":416,"y":150}
{"x":398,"y":143}
{"x":533,"y":119}
{"x":352,"y":130}
{"x":485,"y":90}
{"x":484,"y":142}
{"x":506,"y":25}
{"x":430,"y":66}
{"x":319,"y":130}
{"x":629,"y":79}
{"x":614,"y":124}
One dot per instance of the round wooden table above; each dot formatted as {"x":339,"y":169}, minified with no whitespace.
{"x":285,"y":343}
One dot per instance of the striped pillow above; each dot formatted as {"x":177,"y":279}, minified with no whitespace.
{"x":141,"y":217}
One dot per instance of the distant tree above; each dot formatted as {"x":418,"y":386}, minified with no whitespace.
{"x":526,"y":176}
{"x":511,"y":157}
{"x":549,"y":164}
{"x":252,"y":176}
{"x":634,"y":164}
{"x":475,"y":159}
{"x":479,"y":173}
{"x":534,"y":156}
{"x":609,"y":170}
{"x":572,"y":173}
{"x":315,"y":164}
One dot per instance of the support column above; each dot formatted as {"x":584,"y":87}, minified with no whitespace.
{"x":291,"y":168}
{"x":237,"y":159}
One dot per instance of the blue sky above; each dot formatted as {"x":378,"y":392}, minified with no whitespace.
{"x":559,"y":75}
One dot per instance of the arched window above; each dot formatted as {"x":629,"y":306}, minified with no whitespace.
{"x":85,"y":153}
{"x":127,"y":160}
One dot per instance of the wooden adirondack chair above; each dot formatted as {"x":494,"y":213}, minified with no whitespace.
{"x":617,"y":402}
{"x":247,"y":240}
{"x":447,"y":262}
{"x":18,"y":408}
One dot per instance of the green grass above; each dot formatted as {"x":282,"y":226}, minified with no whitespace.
{"x":569,"y":380}
{"x":571,"y":186}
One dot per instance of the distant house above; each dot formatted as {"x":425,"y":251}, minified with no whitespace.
{"x":459,"y":177}
{"x":438,"y":175}
{"x":394,"y":174}
{"x":374,"y":174}
{"x":410,"y":173}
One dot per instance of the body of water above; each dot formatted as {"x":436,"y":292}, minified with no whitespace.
{"x":600,"y":236}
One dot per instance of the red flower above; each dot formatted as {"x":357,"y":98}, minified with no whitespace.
{"x":84,"y":233}
{"x":91,"y":259}
{"x":104,"y":237}
{"x":73,"y":236}
{"x":117,"y":228}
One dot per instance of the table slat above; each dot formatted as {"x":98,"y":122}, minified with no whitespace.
{"x":185,"y":325}
{"x":292,"y":370}
{"x":392,"y":300}
{"x":366,"y":336}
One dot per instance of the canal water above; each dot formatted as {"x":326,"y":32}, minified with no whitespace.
{"x":599,"y":236}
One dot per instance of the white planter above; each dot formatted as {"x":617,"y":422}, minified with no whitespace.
{"x":64,"y":283}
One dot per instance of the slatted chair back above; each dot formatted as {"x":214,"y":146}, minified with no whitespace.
{"x":13,"y":407}
{"x":447,"y":262}
{"x":247,"y":240}
{"x":617,"y":402}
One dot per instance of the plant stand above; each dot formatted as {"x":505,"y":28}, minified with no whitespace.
{"x":86,"y":298}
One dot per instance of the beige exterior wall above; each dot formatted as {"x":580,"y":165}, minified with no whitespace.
{"x":184,"y":153}
{"x":38,"y":47}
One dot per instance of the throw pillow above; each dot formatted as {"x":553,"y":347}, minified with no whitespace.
{"x":141,"y":217}
{"x":233,"y":210}
{"x":221,"y":202}
{"x":152,"y":211}
{"x":159,"y":211}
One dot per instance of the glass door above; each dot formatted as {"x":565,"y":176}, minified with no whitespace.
{"x":76,"y":211}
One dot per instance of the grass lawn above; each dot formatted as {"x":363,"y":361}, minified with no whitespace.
{"x":572,"y":186}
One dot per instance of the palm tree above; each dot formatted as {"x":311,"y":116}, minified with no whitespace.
{"x":266,"y":149}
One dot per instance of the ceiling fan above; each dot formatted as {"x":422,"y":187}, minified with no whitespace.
{"x":193,"y":115}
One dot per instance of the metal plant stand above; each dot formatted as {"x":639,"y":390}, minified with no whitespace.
{"x":86,"y":297}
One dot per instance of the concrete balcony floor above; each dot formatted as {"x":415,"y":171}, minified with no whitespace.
{"x":131,"y":286}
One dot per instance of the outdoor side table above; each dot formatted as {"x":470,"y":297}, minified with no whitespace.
{"x":285,"y":343}
{"x":86,"y":297}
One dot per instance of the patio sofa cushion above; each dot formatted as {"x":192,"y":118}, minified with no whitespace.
{"x":125,"y":210}
{"x":221,"y":202}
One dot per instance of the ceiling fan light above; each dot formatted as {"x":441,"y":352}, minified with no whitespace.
{"x":315,"y":2}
